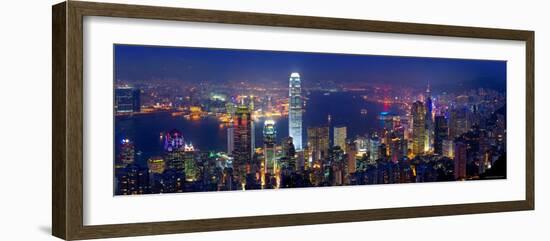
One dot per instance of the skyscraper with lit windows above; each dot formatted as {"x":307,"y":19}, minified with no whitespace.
{"x":448,"y":147}
{"x":242,"y":132}
{"x":441,"y":131}
{"x":156,"y":165}
{"x":191,"y":169}
{"x":270,"y":135}
{"x":374,"y":145}
{"x":458,"y":123}
{"x":127,"y":152}
{"x":429,"y":121}
{"x":351,"y":151}
{"x":460,"y":159}
{"x":418,"y":111}
{"x":318,"y":142}
{"x":173,"y":140}
{"x":340,"y":135}
{"x":295,"y":110}
{"x":230,"y":139}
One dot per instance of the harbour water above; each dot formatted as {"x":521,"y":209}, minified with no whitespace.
{"x":207,"y":134}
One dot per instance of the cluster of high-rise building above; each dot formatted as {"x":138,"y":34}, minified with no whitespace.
{"x":438,"y":138}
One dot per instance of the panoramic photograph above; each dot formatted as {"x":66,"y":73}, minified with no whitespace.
{"x":190,"y":119}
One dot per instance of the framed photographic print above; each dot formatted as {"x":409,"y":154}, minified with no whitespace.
{"x":170,"y":120}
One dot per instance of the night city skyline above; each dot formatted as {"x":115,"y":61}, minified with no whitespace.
{"x":153,"y":63}
{"x":203,"y":119}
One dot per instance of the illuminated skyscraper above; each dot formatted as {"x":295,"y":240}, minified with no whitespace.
{"x":289,"y":152}
{"x":418,"y":111}
{"x":459,"y":123}
{"x":173,"y":148}
{"x":448,"y":148}
{"x":270,"y":135}
{"x":230,"y":140}
{"x":127,"y":152}
{"x":156,"y":165}
{"x":252,"y":137}
{"x":191,"y":169}
{"x":374,"y":145}
{"x":396,"y":147}
{"x":429,"y":121}
{"x":441,"y":132}
{"x":269,"y":103}
{"x":132,"y":180}
{"x":173,"y":140}
{"x":242,"y":140}
{"x":460,"y":159}
{"x":318,"y":142}
{"x":230,"y":108}
{"x":351,"y":151}
{"x":295,"y":110}
{"x":362,"y":145}
{"x":174,"y":160}
{"x":340,"y":135}
{"x":288,"y":147}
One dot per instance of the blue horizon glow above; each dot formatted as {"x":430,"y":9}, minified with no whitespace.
{"x":135,"y":63}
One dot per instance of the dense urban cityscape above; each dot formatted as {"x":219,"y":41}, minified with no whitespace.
{"x":192,"y":136}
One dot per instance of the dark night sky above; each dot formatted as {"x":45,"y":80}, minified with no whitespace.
{"x":218,"y":65}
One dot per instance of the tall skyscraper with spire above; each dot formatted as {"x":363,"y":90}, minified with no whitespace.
{"x":295,"y":110}
{"x":428,"y":142}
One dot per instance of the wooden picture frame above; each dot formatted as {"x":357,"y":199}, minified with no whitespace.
{"x":67,"y":124}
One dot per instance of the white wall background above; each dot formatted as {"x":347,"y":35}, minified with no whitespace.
{"x":25,"y":119}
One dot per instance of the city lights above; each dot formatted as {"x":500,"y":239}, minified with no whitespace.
{"x":223,"y":130}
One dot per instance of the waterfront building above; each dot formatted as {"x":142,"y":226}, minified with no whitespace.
{"x":230,"y":108}
{"x":127,"y":100}
{"x":295,"y":110}
{"x":173,"y":140}
{"x":127,"y":152}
